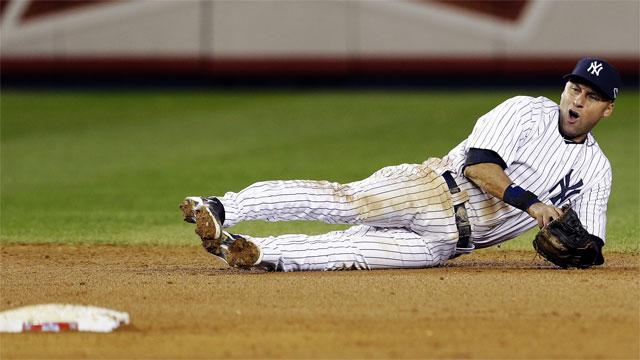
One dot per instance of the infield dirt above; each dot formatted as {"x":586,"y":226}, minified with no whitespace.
{"x":184,"y":304}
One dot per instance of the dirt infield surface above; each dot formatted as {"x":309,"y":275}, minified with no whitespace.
{"x":491,"y":304}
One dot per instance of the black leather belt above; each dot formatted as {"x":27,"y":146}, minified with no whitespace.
{"x":462,"y":219}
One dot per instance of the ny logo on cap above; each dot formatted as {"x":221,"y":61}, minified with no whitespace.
{"x":595,"y":68}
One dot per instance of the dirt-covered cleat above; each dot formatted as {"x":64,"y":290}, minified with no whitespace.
{"x":188,"y":208}
{"x":243,"y":253}
{"x":191,"y":203}
{"x":208,"y":225}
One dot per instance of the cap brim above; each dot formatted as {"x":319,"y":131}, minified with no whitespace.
{"x":582,"y":79}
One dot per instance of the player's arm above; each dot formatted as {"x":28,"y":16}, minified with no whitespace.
{"x":485,"y":168}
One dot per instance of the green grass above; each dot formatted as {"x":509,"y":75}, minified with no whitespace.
{"x":108,"y":167}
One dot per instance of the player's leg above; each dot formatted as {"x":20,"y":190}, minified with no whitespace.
{"x":360,"y":247}
{"x":391,"y":197}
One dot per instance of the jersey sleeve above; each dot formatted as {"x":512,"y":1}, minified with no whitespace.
{"x":500,"y":129}
{"x":592,"y":207}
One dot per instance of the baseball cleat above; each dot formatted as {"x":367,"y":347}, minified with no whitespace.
{"x":208,"y":224}
{"x":191,"y":203}
{"x":188,"y":207}
{"x":234,"y":250}
{"x":209,"y":227}
{"x":243,"y":253}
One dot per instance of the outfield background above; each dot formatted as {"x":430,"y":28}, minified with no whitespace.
{"x":160,"y":100}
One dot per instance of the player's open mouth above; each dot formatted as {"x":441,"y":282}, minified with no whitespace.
{"x":573,"y":116}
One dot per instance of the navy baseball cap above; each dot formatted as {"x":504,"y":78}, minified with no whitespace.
{"x":598,"y":74}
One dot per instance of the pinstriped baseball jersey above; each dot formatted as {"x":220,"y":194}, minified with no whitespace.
{"x":524,"y":131}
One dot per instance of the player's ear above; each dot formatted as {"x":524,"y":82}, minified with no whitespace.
{"x":609,"y":109}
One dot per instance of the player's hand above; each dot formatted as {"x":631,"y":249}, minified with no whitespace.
{"x":544,"y":213}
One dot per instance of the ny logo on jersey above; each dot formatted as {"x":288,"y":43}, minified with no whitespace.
{"x":595,"y":68}
{"x":566,"y":189}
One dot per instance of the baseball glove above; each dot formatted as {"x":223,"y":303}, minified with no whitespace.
{"x":566,"y":243}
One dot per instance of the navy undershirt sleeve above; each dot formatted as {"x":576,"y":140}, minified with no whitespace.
{"x":478,"y":156}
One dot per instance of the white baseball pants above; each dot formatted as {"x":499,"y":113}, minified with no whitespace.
{"x":403,"y":217}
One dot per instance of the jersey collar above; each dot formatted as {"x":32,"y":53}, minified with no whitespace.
{"x":588,"y":141}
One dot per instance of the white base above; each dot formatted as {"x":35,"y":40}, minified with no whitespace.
{"x":60,"y":317}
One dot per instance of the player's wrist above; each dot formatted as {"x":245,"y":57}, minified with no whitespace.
{"x":519,"y":198}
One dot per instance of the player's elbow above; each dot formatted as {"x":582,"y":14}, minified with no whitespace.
{"x":482,"y":171}
{"x":471,"y":172}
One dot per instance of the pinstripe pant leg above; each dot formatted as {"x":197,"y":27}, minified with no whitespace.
{"x":359,"y":247}
{"x":395,"y":196}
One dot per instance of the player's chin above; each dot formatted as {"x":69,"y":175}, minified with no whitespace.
{"x":569,"y":132}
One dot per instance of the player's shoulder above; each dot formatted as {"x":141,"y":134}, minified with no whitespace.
{"x":545,"y":103}
{"x":518,"y":99}
{"x":540,"y":103}
{"x":524,"y":99}
{"x":529,"y":102}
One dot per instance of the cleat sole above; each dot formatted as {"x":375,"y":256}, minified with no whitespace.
{"x":207,"y":226}
{"x":243,"y":254}
{"x":188,"y":213}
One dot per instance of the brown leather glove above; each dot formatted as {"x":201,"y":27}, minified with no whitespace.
{"x":566,"y":243}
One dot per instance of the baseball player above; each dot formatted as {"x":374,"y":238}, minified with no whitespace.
{"x":523,"y":160}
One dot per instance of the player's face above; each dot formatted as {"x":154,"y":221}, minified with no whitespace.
{"x":581,"y":108}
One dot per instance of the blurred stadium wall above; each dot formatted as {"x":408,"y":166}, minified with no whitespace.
{"x":406,"y":42}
